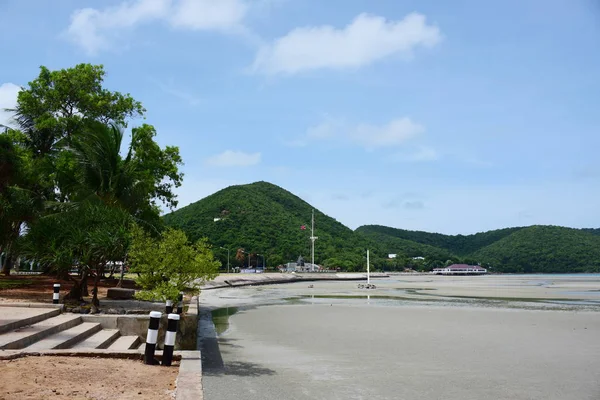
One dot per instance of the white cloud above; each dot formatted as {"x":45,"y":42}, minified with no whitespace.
{"x":231,"y":158}
{"x":97,"y":30}
{"x":94,"y":30}
{"x":209,"y":14}
{"x":8,"y":99}
{"x":394,"y":133}
{"x":367,"y":39}
{"x":327,"y":129}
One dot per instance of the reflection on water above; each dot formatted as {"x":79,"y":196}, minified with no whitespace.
{"x":220,"y":318}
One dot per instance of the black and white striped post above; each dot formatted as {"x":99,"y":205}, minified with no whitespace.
{"x":170,"y":339}
{"x":152,"y":337}
{"x":169,"y":306}
{"x":180,"y":303}
{"x":56,"y":294}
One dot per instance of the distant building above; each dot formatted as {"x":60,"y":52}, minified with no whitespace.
{"x":392,"y":255}
{"x":460,"y":269}
{"x":418,"y":258}
{"x":299,"y":266}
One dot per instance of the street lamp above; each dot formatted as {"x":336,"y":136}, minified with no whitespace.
{"x":227,"y":257}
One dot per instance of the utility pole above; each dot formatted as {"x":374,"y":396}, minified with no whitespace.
{"x":312,"y":239}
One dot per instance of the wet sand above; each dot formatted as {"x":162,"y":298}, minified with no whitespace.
{"x":359,"y":348}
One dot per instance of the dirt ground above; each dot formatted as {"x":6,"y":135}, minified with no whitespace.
{"x":38,"y":288}
{"x":85,"y":378}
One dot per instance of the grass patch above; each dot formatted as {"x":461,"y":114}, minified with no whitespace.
{"x":12,"y":284}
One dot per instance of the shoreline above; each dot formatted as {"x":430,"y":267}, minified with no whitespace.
{"x":240,"y":280}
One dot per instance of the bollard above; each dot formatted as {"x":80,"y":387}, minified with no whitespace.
{"x":180,"y":303}
{"x":56,"y":294}
{"x":170,"y":339}
{"x":169,"y":307}
{"x":152,"y":337}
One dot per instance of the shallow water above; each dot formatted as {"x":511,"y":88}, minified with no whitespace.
{"x":335,"y":341}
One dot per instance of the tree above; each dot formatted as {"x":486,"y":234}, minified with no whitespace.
{"x":50,"y":113}
{"x":58,"y":103}
{"x":17,"y":202}
{"x":106,"y":193}
{"x":87,"y":236}
{"x":169,"y":264}
{"x":240,"y":256}
{"x":73,"y":129}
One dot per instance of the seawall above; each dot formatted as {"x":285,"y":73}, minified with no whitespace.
{"x":238,"y":280}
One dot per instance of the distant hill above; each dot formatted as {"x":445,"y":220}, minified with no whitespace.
{"x":459,"y":245}
{"x":408,"y":248}
{"x":545,"y":249}
{"x":266,"y":219}
{"x":533,"y":249}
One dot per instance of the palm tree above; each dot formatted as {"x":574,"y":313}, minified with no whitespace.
{"x":103,"y":194}
{"x":18,"y":204}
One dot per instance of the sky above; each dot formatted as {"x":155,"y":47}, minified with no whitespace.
{"x":451,"y":117}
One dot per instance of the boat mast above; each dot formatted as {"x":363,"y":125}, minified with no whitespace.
{"x":312,"y":239}
{"x":368,"y":275}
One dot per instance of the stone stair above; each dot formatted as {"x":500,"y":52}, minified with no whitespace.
{"x":125,"y":343}
{"x":100,"y":340}
{"x":65,"y":339}
{"x":48,"y":329}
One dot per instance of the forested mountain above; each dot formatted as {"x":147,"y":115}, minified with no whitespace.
{"x":544,"y":249}
{"x":549,"y":249}
{"x":460,"y":245}
{"x":394,"y":245}
{"x":266,"y":219}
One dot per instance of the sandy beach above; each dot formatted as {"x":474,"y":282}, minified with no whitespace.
{"x":334,"y":342}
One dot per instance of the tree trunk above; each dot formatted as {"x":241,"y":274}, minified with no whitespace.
{"x":84,"y":283}
{"x":95,"y":302}
{"x":79,"y":289}
{"x":8,"y":264}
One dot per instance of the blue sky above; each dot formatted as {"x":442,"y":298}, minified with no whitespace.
{"x":453,"y":117}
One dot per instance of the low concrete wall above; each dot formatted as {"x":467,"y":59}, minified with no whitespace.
{"x":238,"y":280}
{"x":138,"y":325}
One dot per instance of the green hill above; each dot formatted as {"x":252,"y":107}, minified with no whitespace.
{"x":534,"y":249}
{"x":543,"y":249}
{"x":394,"y":245}
{"x":266,"y":219}
{"x":460,"y":245}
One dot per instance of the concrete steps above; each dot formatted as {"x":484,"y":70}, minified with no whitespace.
{"x":100,"y":340}
{"x":125,"y":343}
{"x":30,"y":334}
{"x":65,"y":339}
{"x":16,"y":317}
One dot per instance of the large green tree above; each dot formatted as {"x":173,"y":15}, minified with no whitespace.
{"x":73,"y":130}
{"x":18,"y":204}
